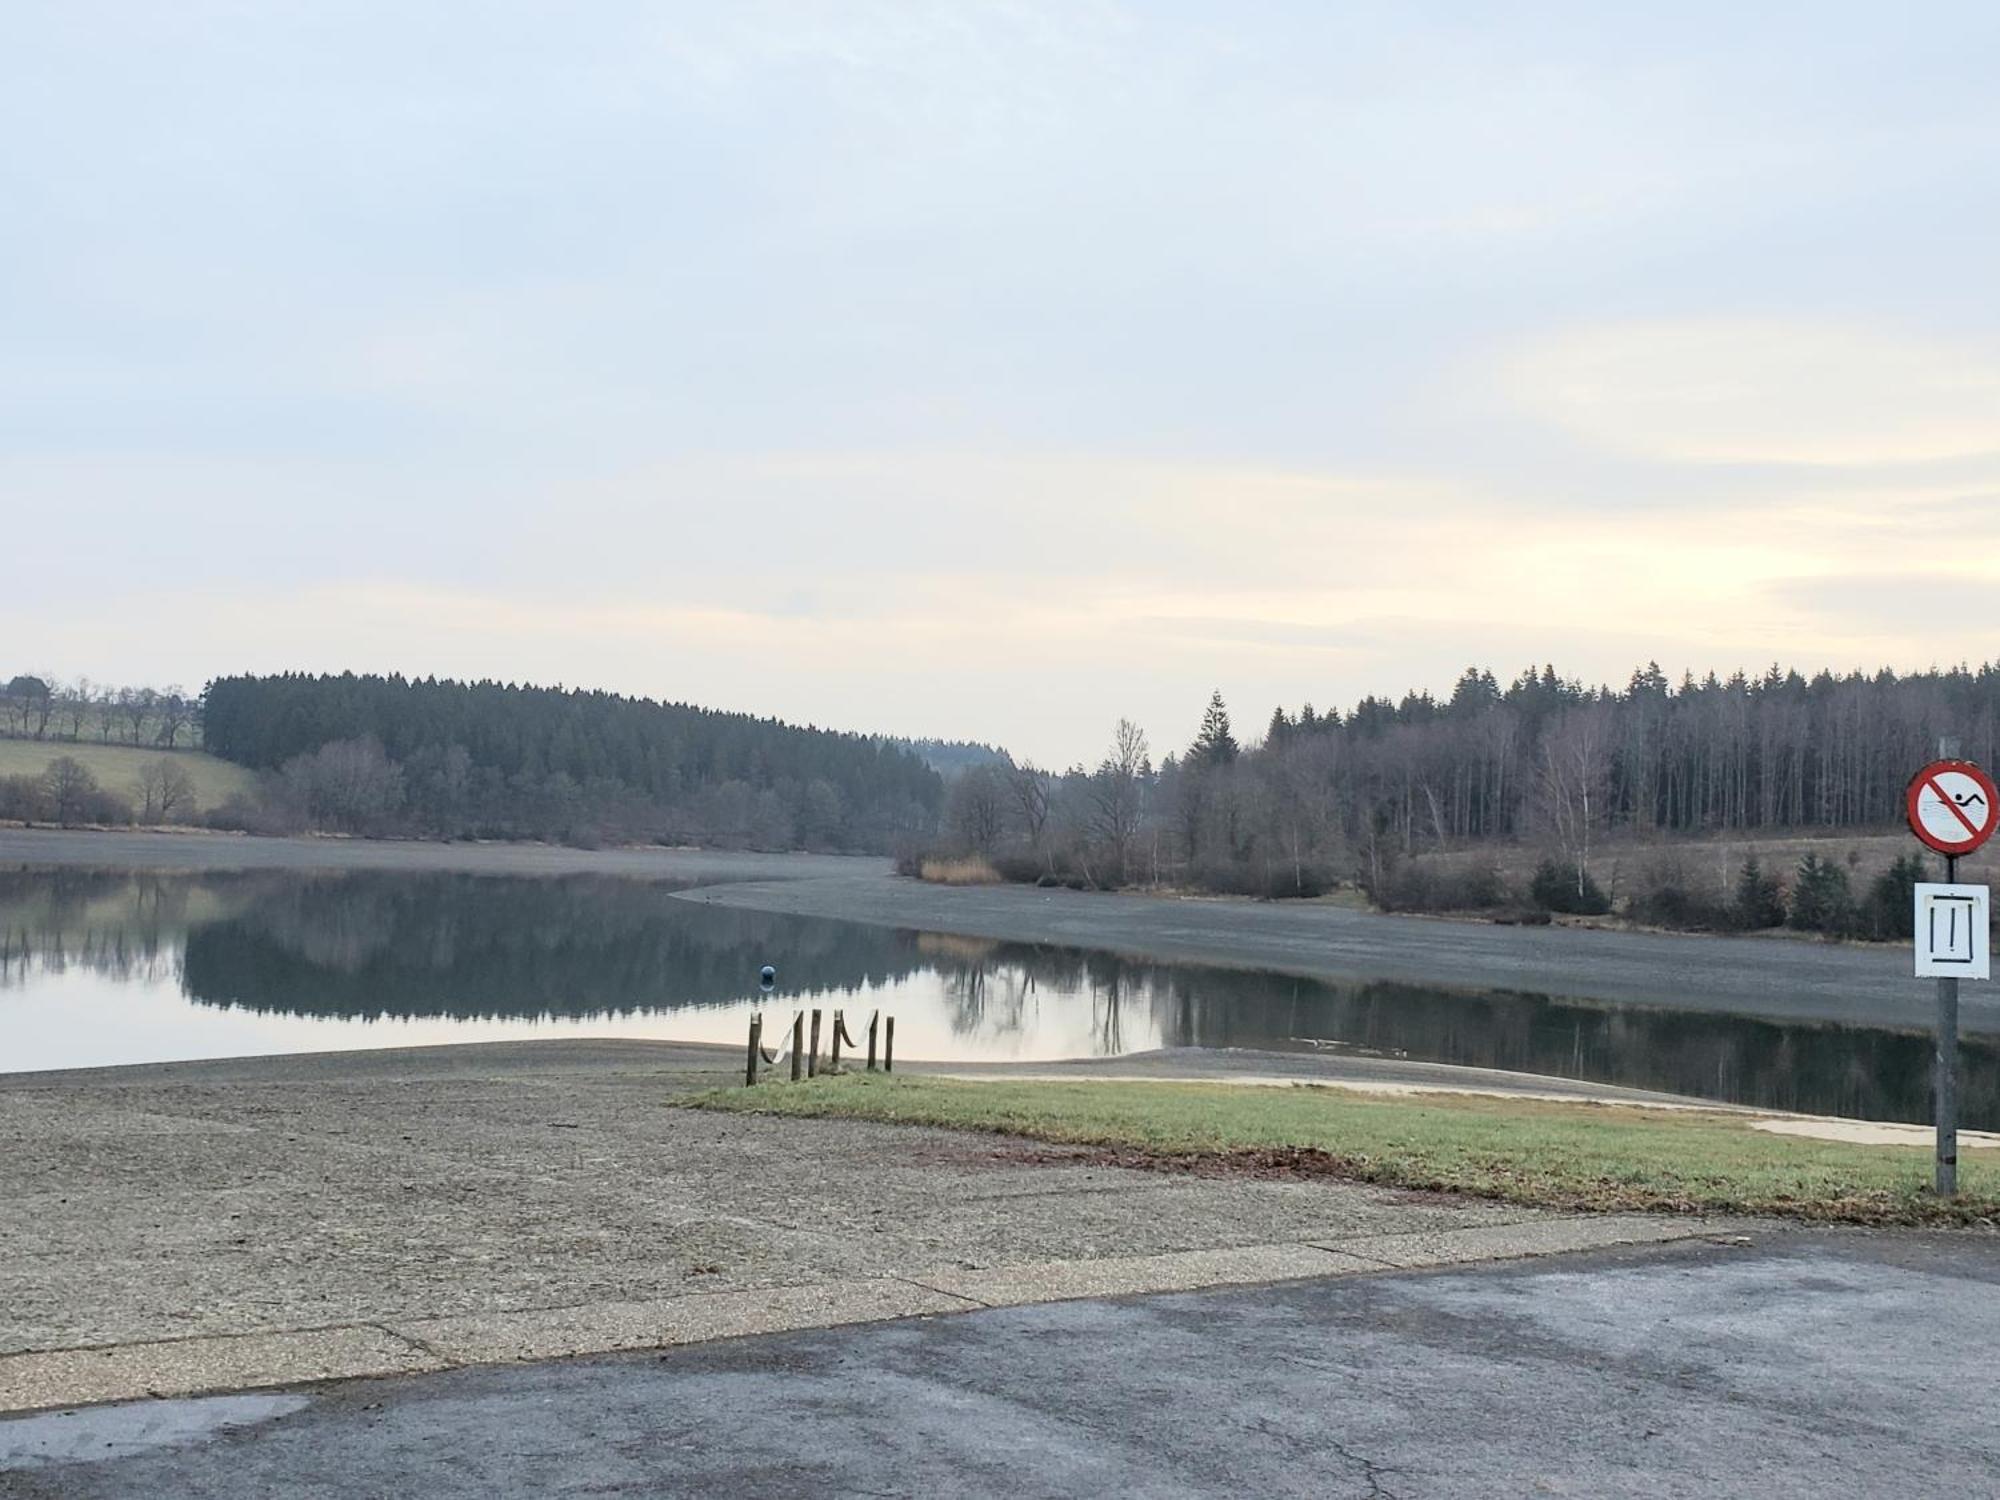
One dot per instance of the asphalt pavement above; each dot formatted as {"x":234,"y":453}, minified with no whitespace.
{"x":1800,"y":1365}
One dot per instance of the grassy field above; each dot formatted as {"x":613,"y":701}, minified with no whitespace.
{"x":1564,"y":1156}
{"x":117,"y":767}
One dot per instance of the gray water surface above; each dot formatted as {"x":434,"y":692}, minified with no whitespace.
{"x":102,"y":967}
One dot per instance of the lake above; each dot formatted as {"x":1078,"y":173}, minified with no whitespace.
{"x":105,"y":967}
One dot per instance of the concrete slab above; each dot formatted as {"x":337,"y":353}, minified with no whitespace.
{"x":608,"y":1326}
{"x":1486,"y":1242}
{"x":252,"y":1223}
{"x":1117,"y":1276}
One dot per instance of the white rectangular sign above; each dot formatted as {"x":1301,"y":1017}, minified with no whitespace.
{"x":1953,"y":932}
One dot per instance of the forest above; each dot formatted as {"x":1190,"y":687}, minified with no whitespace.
{"x":369,"y":754}
{"x":1418,"y":801}
{"x":1374,"y":795}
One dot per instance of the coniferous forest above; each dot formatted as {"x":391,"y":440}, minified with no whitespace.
{"x":486,"y":759}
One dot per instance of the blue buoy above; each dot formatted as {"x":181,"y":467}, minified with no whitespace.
{"x":768,"y":977}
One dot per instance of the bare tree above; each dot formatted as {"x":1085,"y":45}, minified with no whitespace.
{"x":135,"y":706}
{"x":1573,"y":777}
{"x":1117,"y":796}
{"x":175,"y":714}
{"x":165,"y":788}
{"x":30,"y":704}
{"x":351,"y":785}
{"x":76,"y":703}
{"x":1030,"y":786}
{"x":978,"y":807}
{"x":70,"y":789}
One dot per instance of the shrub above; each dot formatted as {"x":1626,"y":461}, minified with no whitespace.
{"x":1669,"y":903}
{"x":1417,"y":886}
{"x":22,"y":798}
{"x":1760,"y":898}
{"x":1023,"y":868}
{"x":1274,"y":882}
{"x":1821,"y":901}
{"x":1891,"y":908}
{"x":1567,"y":889}
{"x":241,"y":812}
{"x":71,"y":795}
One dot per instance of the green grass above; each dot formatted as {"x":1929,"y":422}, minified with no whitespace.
{"x":117,"y":767}
{"x":1566,"y":1156}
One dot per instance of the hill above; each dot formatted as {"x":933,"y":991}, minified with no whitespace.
{"x":118,"y":768}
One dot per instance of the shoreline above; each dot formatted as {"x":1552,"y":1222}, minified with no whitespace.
{"x":1782,"y":981}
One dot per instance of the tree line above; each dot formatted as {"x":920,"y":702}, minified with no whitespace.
{"x":1543,"y":760}
{"x":389,"y":754}
{"x":36,"y":706}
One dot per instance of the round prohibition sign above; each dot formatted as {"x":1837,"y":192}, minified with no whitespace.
{"x":1953,"y":806}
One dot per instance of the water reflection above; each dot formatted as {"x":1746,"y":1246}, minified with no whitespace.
{"x":112,"y":967}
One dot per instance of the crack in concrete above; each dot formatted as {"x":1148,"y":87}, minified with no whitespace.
{"x":972,"y":1302}
{"x":420,"y":1345}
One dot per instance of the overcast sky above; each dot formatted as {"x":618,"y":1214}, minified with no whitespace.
{"x":994,"y":370}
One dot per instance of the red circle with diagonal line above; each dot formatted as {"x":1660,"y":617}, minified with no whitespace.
{"x":1953,"y":806}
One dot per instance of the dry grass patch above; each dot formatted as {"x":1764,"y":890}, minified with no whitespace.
{"x":970,"y":870}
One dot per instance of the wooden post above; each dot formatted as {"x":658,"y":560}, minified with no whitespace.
{"x":756,"y":1048}
{"x":874,"y":1026}
{"x":839,"y":1027}
{"x":889,"y":1046}
{"x":812,"y":1057}
{"x":798,"y":1045}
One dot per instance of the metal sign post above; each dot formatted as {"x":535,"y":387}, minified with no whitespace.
{"x":1953,"y":808}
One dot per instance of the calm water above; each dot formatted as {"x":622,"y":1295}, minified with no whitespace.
{"x":112,"y":967}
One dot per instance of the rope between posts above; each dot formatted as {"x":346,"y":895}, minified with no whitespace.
{"x":771,"y":1058}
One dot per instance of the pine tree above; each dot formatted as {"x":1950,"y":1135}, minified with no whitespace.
{"x":1760,"y":903}
{"x":1820,"y":900}
{"x":1216,"y":744}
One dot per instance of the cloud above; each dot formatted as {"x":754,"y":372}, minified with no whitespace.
{"x":1720,"y":390}
{"x":1952,"y":609}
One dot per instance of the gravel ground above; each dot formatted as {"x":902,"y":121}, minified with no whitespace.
{"x":358,"y":1193}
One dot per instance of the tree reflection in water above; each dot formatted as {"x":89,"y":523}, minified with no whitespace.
{"x":365,"y":945}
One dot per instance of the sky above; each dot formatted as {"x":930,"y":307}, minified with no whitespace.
{"x":996,"y":370}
